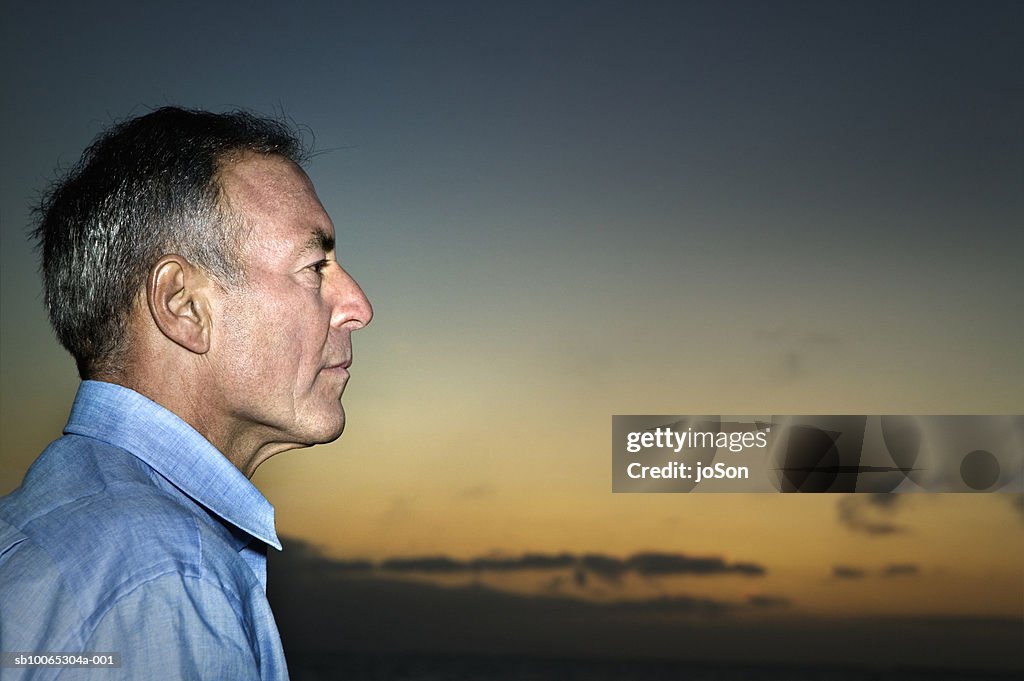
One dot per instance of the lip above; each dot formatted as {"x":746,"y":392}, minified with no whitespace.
{"x":336,"y":374}
{"x":338,"y":367}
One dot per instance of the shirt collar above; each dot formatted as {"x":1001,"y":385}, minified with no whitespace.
{"x":124,"y":418}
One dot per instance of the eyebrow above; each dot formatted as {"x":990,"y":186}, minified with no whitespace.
{"x":319,"y":239}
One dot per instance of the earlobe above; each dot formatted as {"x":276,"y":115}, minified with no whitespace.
{"x":176,"y":292}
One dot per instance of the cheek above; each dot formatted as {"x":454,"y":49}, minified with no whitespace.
{"x":288,"y":336}
{"x":276,"y":340}
{"x":251,"y":340}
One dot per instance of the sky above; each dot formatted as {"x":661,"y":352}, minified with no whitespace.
{"x":563,"y":211}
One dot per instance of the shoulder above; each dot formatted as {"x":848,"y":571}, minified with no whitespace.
{"x":169,"y":625}
{"x":87,"y":502}
{"x":93,"y":525}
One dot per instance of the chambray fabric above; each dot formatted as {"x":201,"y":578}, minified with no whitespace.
{"x":132,"y":534}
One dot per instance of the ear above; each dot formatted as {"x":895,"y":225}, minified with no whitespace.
{"x":177,"y":293}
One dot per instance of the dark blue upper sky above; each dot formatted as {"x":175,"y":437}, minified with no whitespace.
{"x":822,"y":167}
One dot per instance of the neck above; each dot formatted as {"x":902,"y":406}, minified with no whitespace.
{"x":176,"y":390}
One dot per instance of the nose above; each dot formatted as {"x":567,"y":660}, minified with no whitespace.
{"x":351,"y":308}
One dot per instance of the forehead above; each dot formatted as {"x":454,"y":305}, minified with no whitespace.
{"x":277,"y":201}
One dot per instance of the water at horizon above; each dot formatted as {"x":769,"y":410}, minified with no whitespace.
{"x":451,"y":667}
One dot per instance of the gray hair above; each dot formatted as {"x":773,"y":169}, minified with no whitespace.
{"x":146,"y":187}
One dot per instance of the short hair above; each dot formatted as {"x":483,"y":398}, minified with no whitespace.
{"x":146,"y":187}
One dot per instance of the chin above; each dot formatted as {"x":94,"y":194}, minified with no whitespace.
{"x":329,"y":427}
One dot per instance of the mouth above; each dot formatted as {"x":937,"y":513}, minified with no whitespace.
{"x":338,"y":367}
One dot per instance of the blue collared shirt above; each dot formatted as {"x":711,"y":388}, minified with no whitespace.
{"x":132,"y":534}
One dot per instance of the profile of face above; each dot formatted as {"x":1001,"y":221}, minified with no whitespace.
{"x":282,"y":339}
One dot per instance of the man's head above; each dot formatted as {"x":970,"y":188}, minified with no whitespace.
{"x":188,"y":254}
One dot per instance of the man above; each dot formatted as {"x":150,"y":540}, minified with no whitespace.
{"x":189,"y":268}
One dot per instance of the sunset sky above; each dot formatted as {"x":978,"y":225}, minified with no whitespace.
{"x":563,"y":211}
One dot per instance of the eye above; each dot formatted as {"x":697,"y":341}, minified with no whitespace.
{"x":319,"y":266}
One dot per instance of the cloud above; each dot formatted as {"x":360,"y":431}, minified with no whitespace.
{"x":608,"y":568}
{"x":304,"y":562}
{"x":529,"y":561}
{"x":428,"y":565}
{"x":605,"y":567}
{"x":351,"y":566}
{"x":324,"y":610}
{"x":900,"y":570}
{"x":313,"y":560}
{"x":870,"y":513}
{"x":656,"y":564}
{"x":891,"y":570}
{"x":847,"y":572}
{"x":446,"y":565}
